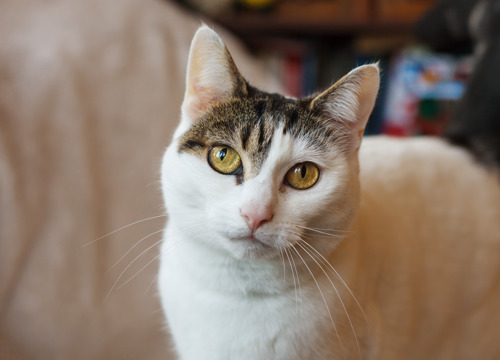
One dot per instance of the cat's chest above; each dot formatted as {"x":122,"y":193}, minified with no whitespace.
{"x":209,"y":324}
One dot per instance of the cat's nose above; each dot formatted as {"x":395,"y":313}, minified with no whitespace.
{"x":255,"y":217}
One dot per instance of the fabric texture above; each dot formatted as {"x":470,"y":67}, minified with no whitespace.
{"x":90,"y":92}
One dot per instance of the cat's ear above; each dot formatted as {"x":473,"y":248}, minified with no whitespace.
{"x":347,"y":105}
{"x":212,"y":75}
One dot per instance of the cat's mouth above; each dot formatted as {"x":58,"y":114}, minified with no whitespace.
{"x":250,"y":247}
{"x":251,"y":241}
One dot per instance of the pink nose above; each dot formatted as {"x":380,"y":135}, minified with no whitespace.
{"x":256,"y":217}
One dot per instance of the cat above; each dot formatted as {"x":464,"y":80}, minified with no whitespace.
{"x":288,"y":239}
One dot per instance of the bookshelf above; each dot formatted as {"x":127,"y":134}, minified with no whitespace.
{"x":253,"y":25}
{"x":314,"y":42}
{"x":325,"y":18}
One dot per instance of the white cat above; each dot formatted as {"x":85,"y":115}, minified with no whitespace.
{"x":273,"y":250}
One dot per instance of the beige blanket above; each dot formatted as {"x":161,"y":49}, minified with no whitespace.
{"x":89,"y":94}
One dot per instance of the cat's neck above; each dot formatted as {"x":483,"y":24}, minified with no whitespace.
{"x":217,"y":270}
{"x":218,"y":283}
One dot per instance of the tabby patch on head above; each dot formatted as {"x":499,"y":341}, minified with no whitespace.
{"x":223,"y":109}
{"x":249,"y":171}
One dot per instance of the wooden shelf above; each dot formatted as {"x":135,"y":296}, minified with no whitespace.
{"x":327,"y":18}
{"x":258,"y":24}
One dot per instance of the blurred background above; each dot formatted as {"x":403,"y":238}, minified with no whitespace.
{"x":90,"y":92}
{"x":424,"y":47}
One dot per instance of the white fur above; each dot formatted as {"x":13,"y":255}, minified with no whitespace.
{"x":405,"y":266}
{"x":426,"y":235}
{"x":222,"y":277}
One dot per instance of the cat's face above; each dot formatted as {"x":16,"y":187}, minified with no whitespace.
{"x":249,"y":172}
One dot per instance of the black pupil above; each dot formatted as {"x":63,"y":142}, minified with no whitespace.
{"x":303,"y":171}
{"x":222,"y":154}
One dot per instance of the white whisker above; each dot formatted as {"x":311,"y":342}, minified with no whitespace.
{"x":284,"y":266}
{"x":132,"y":248}
{"x":137,"y":273}
{"x":123,"y":227}
{"x":325,"y":261}
{"x":298,"y":279}
{"x":128,"y":266}
{"x":294,"y":283}
{"x":321,"y":293}
{"x":324,"y":229}
{"x":336,"y":291}
{"x":340,"y":277}
{"x":321,"y":232}
{"x":151,"y":284}
{"x":318,"y":236}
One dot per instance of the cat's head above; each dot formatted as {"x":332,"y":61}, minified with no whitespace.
{"x":250,"y":172}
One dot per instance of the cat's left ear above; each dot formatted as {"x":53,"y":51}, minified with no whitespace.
{"x":212,"y":76}
{"x":347,"y":105}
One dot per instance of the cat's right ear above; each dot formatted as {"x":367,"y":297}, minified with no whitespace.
{"x":347,"y":104}
{"x":212,"y":76}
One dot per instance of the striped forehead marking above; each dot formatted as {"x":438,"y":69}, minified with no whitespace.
{"x":248,"y":125}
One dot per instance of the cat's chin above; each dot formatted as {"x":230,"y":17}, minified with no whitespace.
{"x":249,"y":247}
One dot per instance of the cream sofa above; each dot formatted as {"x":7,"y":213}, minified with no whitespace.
{"x":89,"y":95}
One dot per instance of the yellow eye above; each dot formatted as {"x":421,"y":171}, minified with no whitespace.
{"x":302,"y":176}
{"x":224,"y":159}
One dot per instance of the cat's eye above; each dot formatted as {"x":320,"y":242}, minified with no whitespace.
{"x":302,"y":176}
{"x":224,"y":159}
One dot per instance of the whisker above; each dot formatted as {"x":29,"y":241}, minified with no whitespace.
{"x":123,"y":227}
{"x":325,"y":229}
{"x":336,"y":291}
{"x":321,"y":293}
{"x":132,"y":248}
{"x":137,"y":273}
{"x":298,"y":281}
{"x":318,"y":231}
{"x":284,"y":266}
{"x":128,"y":266}
{"x":334,"y":271}
{"x":340,"y":277}
{"x":294,"y":283}
{"x":150,"y":284}
{"x":320,"y":236}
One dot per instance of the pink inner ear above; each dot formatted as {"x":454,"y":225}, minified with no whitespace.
{"x":212,"y":75}
{"x":202,"y":96}
{"x":199,"y":98}
{"x":350,"y":101}
{"x":205,"y":90}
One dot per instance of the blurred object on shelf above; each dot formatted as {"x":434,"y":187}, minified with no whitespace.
{"x":293,"y":74}
{"x":209,"y":7}
{"x":433,"y":116}
{"x":322,"y":10}
{"x":306,"y":67}
{"x":445,"y":27}
{"x":324,"y":18}
{"x":260,"y":5}
{"x":421,"y":90}
{"x":380,"y":45}
{"x":408,"y":10}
